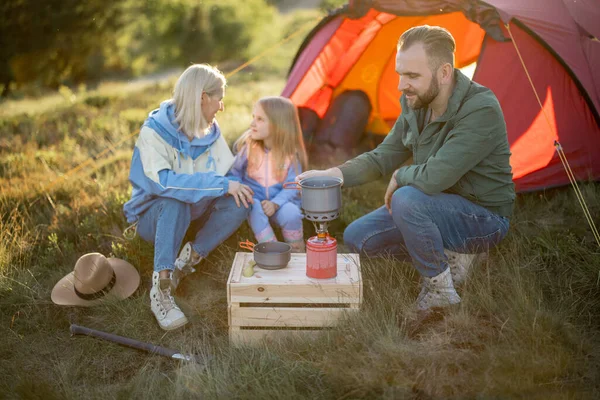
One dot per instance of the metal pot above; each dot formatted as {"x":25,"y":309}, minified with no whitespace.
{"x":269,"y":255}
{"x":320,"y":194}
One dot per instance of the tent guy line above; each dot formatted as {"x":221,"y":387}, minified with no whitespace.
{"x":559,"y":150}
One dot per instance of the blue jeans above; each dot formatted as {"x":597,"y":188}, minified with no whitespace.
{"x":165,"y":224}
{"x":422,"y":226}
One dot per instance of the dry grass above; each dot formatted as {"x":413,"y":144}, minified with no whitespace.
{"x":528,"y":326}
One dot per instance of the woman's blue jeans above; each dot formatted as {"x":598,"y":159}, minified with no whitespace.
{"x":166,"y":222}
{"x":421,"y":226}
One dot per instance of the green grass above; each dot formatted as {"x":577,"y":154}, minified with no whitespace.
{"x":528,"y":326}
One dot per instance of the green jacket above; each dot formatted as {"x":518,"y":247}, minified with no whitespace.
{"x":464,"y":152}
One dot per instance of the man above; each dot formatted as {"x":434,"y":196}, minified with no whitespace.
{"x":454,"y":201}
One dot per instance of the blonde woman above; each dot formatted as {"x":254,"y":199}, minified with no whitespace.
{"x":178,"y":176}
{"x":271,"y":153}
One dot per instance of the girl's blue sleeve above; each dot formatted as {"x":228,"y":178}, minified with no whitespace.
{"x":286,"y":195}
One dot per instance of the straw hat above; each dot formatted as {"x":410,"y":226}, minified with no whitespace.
{"x":94,"y":278}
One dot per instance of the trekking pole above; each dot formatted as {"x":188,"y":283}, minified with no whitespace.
{"x":136,"y":344}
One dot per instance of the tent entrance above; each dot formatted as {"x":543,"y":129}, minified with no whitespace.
{"x":361,"y":54}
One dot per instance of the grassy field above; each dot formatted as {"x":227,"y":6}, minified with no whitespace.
{"x":528,"y":326}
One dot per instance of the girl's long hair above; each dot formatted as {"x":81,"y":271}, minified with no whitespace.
{"x":187,"y":96}
{"x":286,"y":134}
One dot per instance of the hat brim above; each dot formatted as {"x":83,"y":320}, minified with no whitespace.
{"x":127,"y":281}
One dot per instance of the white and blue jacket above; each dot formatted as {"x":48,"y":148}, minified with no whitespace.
{"x":166,"y":164}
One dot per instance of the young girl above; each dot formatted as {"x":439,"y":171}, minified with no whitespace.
{"x":269,"y":154}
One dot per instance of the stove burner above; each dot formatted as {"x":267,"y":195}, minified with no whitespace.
{"x":321,"y":217}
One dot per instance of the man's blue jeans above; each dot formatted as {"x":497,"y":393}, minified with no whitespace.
{"x":422,"y":226}
{"x":165,"y":224}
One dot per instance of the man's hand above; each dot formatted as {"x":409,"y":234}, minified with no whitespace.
{"x":392,"y":187}
{"x":269,"y":207}
{"x":333,"y":172}
{"x":241,"y":193}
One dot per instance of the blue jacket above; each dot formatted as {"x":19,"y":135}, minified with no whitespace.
{"x":166,"y":164}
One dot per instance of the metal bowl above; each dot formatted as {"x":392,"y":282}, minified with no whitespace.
{"x":272,"y":255}
{"x":269,"y":255}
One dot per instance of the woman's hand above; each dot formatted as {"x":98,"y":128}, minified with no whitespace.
{"x":333,"y":172}
{"x":241,"y":193}
{"x":392,"y":187}
{"x":269,"y":207}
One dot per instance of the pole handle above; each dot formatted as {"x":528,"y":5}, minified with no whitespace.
{"x":136,"y":344}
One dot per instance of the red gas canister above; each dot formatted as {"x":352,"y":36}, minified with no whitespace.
{"x":321,"y":257}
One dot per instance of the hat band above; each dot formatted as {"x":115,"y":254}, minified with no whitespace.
{"x":101,"y":293}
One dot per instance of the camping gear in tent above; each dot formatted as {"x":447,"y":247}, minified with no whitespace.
{"x":338,"y":135}
{"x":353,"y":49}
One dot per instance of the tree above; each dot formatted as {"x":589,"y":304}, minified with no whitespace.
{"x":52,"y":40}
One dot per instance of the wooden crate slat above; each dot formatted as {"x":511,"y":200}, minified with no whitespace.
{"x":287,"y":316}
{"x":295,"y":272}
{"x":295,"y":294}
{"x":252,"y":336}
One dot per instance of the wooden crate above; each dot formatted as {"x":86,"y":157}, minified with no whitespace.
{"x":281,"y":302}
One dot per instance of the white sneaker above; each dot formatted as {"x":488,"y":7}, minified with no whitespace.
{"x":437,"y":291}
{"x":184,"y":265}
{"x":460,"y":264}
{"x":166,"y":311}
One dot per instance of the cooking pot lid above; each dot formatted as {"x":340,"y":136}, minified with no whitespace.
{"x":320,"y":182}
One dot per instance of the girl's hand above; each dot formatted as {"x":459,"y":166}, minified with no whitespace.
{"x":269,"y":207}
{"x":241,"y":193}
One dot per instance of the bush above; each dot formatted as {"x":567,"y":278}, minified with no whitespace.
{"x":76,"y":42}
{"x":164,"y":33}
{"x":328,"y":5}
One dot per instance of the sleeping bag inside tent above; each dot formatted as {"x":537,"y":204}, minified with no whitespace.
{"x":344,"y":82}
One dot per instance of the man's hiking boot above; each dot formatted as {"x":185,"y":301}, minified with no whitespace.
{"x":437,"y":292}
{"x":184,"y":265}
{"x":166,"y":311}
{"x":460,"y":264}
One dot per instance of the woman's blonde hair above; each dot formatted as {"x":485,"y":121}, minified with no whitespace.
{"x":286,"y":134}
{"x":187,"y":96}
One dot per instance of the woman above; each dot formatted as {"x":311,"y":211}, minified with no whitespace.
{"x":178,"y":177}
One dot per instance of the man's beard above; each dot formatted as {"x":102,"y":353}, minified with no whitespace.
{"x":426,"y":98}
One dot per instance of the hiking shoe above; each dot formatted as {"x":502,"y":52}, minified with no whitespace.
{"x":184,"y":265}
{"x":437,"y":292}
{"x":166,"y":311}
{"x":460,"y":264}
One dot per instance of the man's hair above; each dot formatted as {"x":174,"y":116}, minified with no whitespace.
{"x":438,"y":43}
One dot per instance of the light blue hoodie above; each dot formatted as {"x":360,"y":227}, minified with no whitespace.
{"x":164,"y":164}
